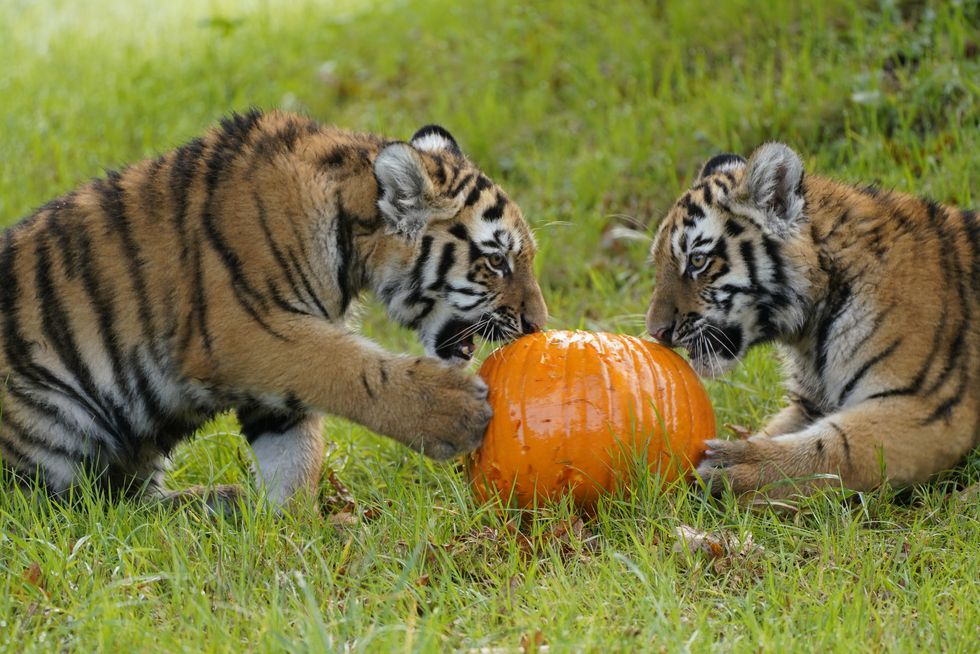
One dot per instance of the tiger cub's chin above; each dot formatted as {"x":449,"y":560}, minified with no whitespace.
{"x":711,"y":368}
{"x":872,"y":297}
{"x":218,"y":277}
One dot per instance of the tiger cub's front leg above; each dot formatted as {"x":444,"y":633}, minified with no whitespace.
{"x":288,"y":449}
{"x":862,"y":445}
{"x":435,"y":408}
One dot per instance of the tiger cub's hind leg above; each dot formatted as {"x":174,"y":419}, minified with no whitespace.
{"x":288,"y":449}
{"x":225,"y":499}
{"x":39,"y":452}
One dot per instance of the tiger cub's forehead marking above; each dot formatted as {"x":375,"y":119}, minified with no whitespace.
{"x":496,"y":223}
{"x":502,"y":236}
{"x":697,"y":227}
{"x":499,"y":237}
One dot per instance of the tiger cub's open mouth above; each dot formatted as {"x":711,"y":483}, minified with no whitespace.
{"x":457,"y":339}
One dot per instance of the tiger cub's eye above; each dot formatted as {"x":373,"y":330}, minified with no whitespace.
{"x":697,"y":260}
{"x":496,"y":260}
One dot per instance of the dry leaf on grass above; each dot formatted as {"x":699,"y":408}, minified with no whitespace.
{"x":565,"y":534}
{"x":341,"y":494}
{"x":570,"y":533}
{"x":523,"y":542}
{"x":566,"y":530}
{"x":371,"y":513}
{"x":341,"y":506}
{"x":969,"y":494}
{"x":350,"y":515}
{"x":694,"y":541}
{"x":724,"y":550}
{"x":570,"y":538}
{"x":533,"y":643}
{"x":33,"y":575}
{"x":902,"y":555}
{"x":343,"y":518}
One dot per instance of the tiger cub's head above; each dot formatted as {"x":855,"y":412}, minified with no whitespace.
{"x":731,"y":259}
{"x":461,"y":263}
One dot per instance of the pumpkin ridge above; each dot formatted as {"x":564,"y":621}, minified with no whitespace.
{"x":682,"y":375}
{"x":601,"y":342}
{"x":639,"y":396}
{"x":672,"y":440}
{"x":524,"y":431}
{"x":645,"y":423}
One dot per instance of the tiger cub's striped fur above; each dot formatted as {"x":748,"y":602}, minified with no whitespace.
{"x":218,"y":276}
{"x":872,"y":296}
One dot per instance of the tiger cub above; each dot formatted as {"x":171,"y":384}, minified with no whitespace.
{"x":873,"y":298}
{"x":218,"y":276}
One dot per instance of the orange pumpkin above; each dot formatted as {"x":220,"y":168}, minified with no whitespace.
{"x":573,"y":410}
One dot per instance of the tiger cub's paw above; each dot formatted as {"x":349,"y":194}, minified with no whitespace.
{"x":739,"y":462}
{"x":445,"y":411}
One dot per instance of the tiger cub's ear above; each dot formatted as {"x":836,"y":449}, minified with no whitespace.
{"x":773,"y":184}
{"x":433,"y":138}
{"x":720,"y":163}
{"x":407,"y":198}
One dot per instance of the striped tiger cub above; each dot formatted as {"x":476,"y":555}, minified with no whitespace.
{"x":217,"y":277}
{"x":873,"y":298}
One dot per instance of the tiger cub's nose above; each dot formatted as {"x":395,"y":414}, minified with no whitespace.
{"x":664,"y":334}
{"x":528,"y":327}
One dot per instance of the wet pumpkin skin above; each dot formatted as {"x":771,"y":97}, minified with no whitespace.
{"x":572,"y":407}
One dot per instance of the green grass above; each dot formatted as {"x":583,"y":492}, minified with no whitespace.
{"x":594,"y":116}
